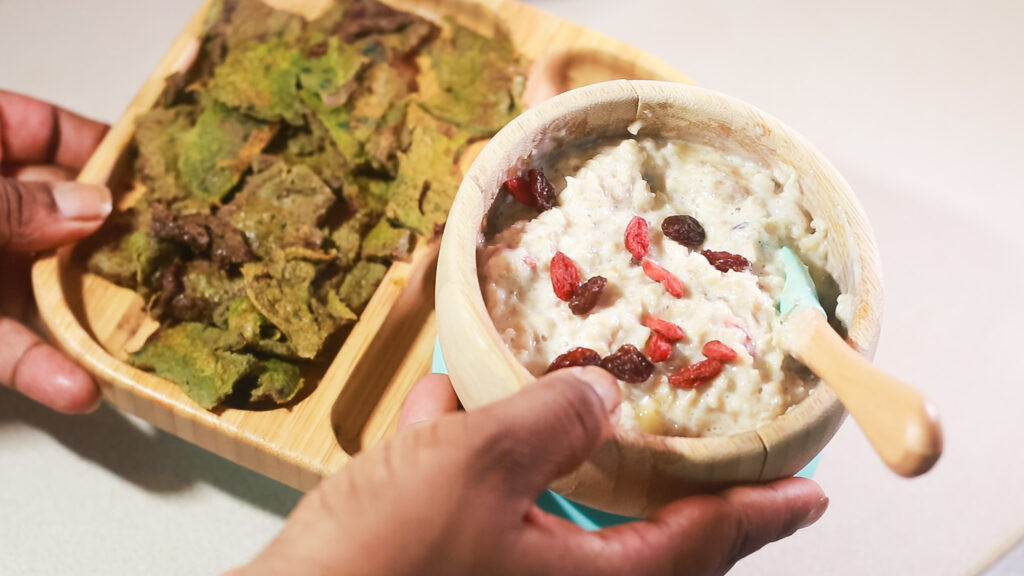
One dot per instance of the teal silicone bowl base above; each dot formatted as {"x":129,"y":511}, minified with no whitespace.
{"x":584,"y":516}
{"x":591,"y":519}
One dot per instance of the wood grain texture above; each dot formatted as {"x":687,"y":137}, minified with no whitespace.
{"x":637,"y":472}
{"x":358,"y":398}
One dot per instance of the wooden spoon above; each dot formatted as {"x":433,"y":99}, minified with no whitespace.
{"x":901,"y":424}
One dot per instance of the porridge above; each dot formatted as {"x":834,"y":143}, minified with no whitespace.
{"x":659,"y":261}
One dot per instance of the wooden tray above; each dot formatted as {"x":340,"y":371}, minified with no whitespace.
{"x":358,"y":399}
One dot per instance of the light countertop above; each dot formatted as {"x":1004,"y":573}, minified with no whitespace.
{"x":920,"y":105}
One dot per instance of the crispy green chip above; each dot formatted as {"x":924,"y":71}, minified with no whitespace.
{"x":348,"y":237}
{"x":244,"y":21}
{"x":386,"y":242}
{"x":196,"y":357}
{"x":284,"y":171}
{"x":259,"y":335}
{"x":282,"y":290}
{"x":315,"y":148}
{"x":213,"y":154}
{"x":242,"y":318}
{"x":136,"y":260}
{"x":473,"y":82}
{"x":279,"y":208}
{"x":261,"y":80}
{"x":278,"y":380}
{"x":332,"y":75}
{"x":365,"y":128}
{"x":428,"y":176}
{"x":207,"y":292}
{"x":360,"y":284}
{"x":156,"y":138}
{"x":335,"y":308}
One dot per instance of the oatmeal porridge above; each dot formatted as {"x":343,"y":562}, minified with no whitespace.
{"x":659,"y":261}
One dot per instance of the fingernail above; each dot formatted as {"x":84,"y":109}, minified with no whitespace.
{"x":817,"y":512}
{"x":95,"y":405}
{"x":78,"y":201}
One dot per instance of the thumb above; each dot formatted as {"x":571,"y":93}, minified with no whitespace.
{"x":43,"y":215}
{"x":546,"y":430}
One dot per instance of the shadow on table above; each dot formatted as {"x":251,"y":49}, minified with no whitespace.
{"x":147,"y":457}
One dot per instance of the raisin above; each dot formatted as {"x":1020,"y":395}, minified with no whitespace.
{"x":725,"y":261}
{"x":576,"y":357}
{"x":542,"y":190}
{"x":673,"y":285}
{"x":694,"y":375}
{"x":628,"y":364}
{"x":716,"y":350}
{"x":533,"y":190}
{"x":638,"y":238}
{"x":587,"y":295}
{"x":668,"y":330}
{"x":684,"y":229}
{"x":565,"y":276}
{"x":658,"y":348}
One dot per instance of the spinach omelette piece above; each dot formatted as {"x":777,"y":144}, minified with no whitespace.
{"x":283,"y":173}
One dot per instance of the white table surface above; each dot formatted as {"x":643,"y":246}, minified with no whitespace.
{"x":919,"y":105}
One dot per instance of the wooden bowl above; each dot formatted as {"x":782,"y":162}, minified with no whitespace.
{"x":637,"y":472}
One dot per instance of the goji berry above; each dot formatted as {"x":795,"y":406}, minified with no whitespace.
{"x":672,"y":284}
{"x":576,"y":357}
{"x":694,"y":375}
{"x":668,"y":330}
{"x":533,"y":190}
{"x":658,"y":348}
{"x":565,"y":276}
{"x":716,"y":350}
{"x":519,"y":188}
{"x":587,"y":295}
{"x":628,"y":364}
{"x":725,"y":261}
{"x":638,"y":239}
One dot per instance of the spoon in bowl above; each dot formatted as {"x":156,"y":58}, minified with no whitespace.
{"x":901,"y":424}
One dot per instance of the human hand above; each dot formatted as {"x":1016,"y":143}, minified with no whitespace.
{"x":453,"y":493}
{"x":42,"y":148}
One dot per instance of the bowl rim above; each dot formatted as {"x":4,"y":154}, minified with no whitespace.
{"x":458,"y":260}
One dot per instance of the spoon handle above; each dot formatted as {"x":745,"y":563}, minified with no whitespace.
{"x":899,"y":422}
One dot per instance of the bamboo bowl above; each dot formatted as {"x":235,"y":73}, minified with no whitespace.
{"x":636,"y":472}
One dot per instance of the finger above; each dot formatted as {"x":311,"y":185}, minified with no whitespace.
{"x":428,"y":400}
{"x":547,"y":522}
{"x":701,"y":534}
{"x":772,"y":512}
{"x":547,"y":429}
{"x":34,"y":132}
{"x":35,"y":369}
{"x":38,"y":216}
{"x":39,"y":173}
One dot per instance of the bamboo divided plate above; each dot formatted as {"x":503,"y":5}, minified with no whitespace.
{"x":358,"y":399}
{"x":637,"y":472}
